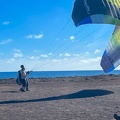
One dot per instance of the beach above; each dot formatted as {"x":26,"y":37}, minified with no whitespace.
{"x":62,"y":98}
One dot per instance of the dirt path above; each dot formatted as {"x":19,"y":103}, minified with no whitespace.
{"x":72,"y":98}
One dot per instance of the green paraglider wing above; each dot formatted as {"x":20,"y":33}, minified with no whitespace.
{"x":111,"y":57}
{"x":96,"y":11}
{"x":101,"y":12}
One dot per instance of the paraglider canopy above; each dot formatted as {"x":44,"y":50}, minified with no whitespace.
{"x":96,"y":11}
{"x":101,"y":12}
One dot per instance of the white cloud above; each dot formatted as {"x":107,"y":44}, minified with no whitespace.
{"x":50,"y":54}
{"x":5,"y":41}
{"x":6,"y":22}
{"x":34,"y":36}
{"x":65,"y":55}
{"x":60,"y":54}
{"x":16,"y":50}
{"x":85,"y":61}
{"x":56,"y":60}
{"x":11,"y":60}
{"x":86,"y":53}
{"x":29,"y":36}
{"x":34,"y":58}
{"x":91,"y":60}
{"x":18,"y":55}
{"x":97,"y":51}
{"x":44,"y":55}
{"x":72,"y":37}
{"x":38,"y":36}
{"x":74,"y":63}
{"x":96,"y":59}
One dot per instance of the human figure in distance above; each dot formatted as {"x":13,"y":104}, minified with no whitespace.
{"x":24,"y":79}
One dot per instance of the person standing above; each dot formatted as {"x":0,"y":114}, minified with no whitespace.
{"x":24,"y":79}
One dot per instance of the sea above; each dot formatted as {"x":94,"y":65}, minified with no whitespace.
{"x":53,"y":74}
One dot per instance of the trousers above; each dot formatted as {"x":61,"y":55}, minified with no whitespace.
{"x":24,"y":83}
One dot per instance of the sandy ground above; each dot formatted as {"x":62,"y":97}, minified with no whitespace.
{"x":68,"y":98}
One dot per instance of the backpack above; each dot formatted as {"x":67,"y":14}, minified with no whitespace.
{"x":19,"y":78}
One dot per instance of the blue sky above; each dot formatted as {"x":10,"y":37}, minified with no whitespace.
{"x":41,"y":35}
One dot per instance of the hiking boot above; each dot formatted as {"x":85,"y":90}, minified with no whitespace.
{"x":22,"y":90}
{"x":27,"y":90}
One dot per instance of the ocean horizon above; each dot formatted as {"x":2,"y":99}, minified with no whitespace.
{"x":53,"y":74}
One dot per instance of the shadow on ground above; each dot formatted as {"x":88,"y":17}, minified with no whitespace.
{"x":9,"y":91}
{"x":77,"y":95}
